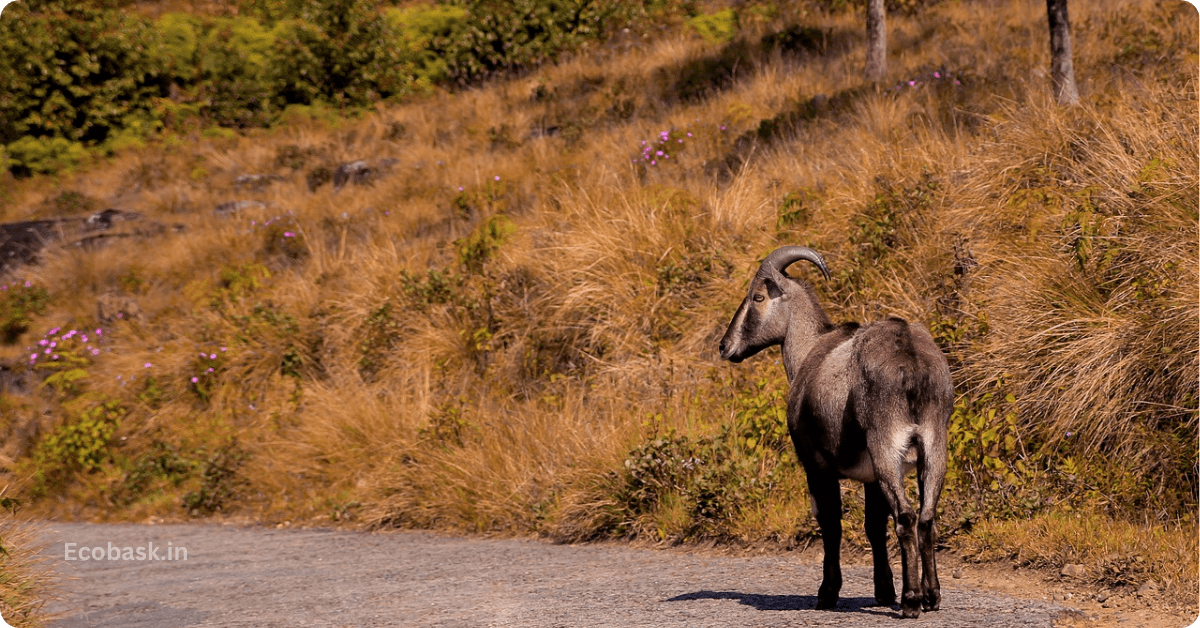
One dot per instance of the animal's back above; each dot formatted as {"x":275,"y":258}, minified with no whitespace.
{"x":894,"y":355}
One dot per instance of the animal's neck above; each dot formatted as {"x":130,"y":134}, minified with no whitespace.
{"x":807,"y":321}
{"x":802,"y":334}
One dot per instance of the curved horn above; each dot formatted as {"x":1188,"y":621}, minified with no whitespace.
{"x":784,"y":256}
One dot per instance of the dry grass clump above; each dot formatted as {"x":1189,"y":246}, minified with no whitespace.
{"x":1115,"y":552}
{"x":24,"y":577}
{"x":1091,"y":298}
{"x":511,"y":326}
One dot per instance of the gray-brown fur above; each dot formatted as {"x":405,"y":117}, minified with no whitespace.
{"x":866,"y":402}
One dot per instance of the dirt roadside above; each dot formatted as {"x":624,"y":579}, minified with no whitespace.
{"x":231,"y":575}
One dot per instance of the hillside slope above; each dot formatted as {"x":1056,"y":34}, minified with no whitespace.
{"x":505,"y":319}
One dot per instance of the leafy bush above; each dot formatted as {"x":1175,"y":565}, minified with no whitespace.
{"x":163,"y":464}
{"x":73,"y":71}
{"x":510,"y":35}
{"x":716,"y":28}
{"x":420,"y":31}
{"x":219,"y":481}
{"x":339,"y":52}
{"x":79,"y":445}
{"x":235,"y":55}
{"x":19,"y":303}
{"x":44,"y":154}
{"x":475,"y":249}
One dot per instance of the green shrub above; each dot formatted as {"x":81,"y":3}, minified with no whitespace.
{"x":74,"y":71}
{"x":179,"y":35}
{"x":234,"y":57}
{"x":510,"y":35}
{"x":19,"y":303}
{"x":420,"y":31}
{"x":478,"y":247}
{"x":219,"y":481}
{"x":81,"y":445}
{"x":44,"y":154}
{"x":162,"y":465}
{"x":339,"y":52}
{"x":716,"y":28}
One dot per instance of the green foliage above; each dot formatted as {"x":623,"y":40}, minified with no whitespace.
{"x":716,"y":28}
{"x":710,"y":478}
{"x":760,"y":415}
{"x":382,"y":331}
{"x":270,"y":11}
{"x":219,"y":481}
{"x":179,"y":35}
{"x":238,"y":282}
{"x":74,"y":71}
{"x":490,"y":198}
{"x":510,"y":35}
{"x":270,"y":331}
{"x":44,"y":154}
{"x":796,"y":209}
{"x":419,"y":32}
{"x":882,"y":226}
{"x":338,"y":52}
{"x":234,"y":57}
{"x":81,"y":445}
{"x":448,"y":425}
{"x":436,"y":287}
{"x":19,"y":304}
{"x":206,"y":370}
{"x":66,"y":357}
{"x":162,"y":465}
{"x":478,"y":247}
{"x":699,"y":485}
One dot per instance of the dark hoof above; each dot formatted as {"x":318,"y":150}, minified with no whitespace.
{"x":910,"y":606}
{"x":931,"y":602}
{"x":909,"y":613}
{"x":885,"y":594}
{"x":824,"y":604}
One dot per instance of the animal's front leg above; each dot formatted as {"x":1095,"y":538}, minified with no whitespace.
{"x":827,"y":506}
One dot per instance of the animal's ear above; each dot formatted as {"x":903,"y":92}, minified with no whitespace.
{"x":773,"y":290}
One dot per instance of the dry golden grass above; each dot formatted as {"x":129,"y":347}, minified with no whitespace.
{"x":509,"y":400}
{"x":24,"y":576}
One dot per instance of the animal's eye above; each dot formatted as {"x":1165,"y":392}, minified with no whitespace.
{"x":758,"y":298}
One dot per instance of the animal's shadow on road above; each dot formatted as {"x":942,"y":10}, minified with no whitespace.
{"x":789,"y":602}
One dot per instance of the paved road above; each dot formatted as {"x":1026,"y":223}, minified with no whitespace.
{"x":235,"y":576}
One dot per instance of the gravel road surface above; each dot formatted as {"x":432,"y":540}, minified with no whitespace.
{"x":252,"y":576}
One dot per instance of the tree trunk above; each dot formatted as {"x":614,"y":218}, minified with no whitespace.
{"x":876,"y":66}
{"x":1062,"y":71}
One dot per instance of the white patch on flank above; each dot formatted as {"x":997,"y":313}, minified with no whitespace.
{"x":903,"y":448}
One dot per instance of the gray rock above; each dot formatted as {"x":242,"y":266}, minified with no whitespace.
{"x":256,"y":181}
{"x":234,"y":207}
{"x":1073,"y":570}
{"x":356,"y":172}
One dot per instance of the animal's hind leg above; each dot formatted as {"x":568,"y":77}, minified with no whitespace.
{"x":889,"y":470}
{"x":931,"y":474}
{"x":876,"y":515}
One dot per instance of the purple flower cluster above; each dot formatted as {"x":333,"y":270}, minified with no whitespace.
{"x":204,"y":370}
{"x":4,"y":287}
{"x":936,"y":76}
{"x":662,"y":146}
{"x":56,"y":344}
